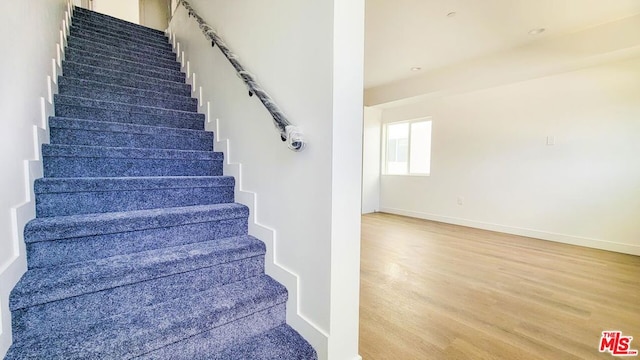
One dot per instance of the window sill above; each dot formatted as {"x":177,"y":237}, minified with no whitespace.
{"x":407,"y":175}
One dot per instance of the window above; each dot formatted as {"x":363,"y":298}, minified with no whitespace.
{"x":408,"y":147}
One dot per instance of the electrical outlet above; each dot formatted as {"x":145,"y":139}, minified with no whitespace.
{"x":460,"y":200}
{"x":551,"y":140}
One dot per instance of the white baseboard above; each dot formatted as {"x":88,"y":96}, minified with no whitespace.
{"x":307,"y":328}
{"x":538,"y":234}
{"x":12,"y":270}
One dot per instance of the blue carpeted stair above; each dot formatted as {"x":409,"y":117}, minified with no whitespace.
{"x":138,"y":249}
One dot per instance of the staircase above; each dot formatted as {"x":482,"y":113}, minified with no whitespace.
{"x":138,"y":249}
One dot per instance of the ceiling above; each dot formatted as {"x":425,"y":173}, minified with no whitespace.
{"x":402,"y":34}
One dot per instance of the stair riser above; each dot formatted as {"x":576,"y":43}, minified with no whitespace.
{"x":90,"y":46}
{"x":82,"y":310}
{"x":187,"y":104}
{"x":119,"y":139}
{"x":83,"y":25}
{"x":60,"y":166}
{"x":79,"y":112}
{"x":118,"y":65}
{"x":85,"y":71}
{"x":133,"y":109}
{"x":61,"y":204}
{"x":110,"y":38}
{"x":100,"y":53}
{"x":66,"y":251}
{"x":140,"y":82}
{"x":110,"y":22}
{"x":201,"y":346}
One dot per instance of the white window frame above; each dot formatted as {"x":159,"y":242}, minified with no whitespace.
{"x":385,"y":140}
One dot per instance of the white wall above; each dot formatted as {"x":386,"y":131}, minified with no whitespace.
{"x":25,"y":64}
{"x":128,"y":10}
{"x":371,"y":160}
{"x":490,"y":147}
{"x":154,"y":14}
{"x":308,"y":55}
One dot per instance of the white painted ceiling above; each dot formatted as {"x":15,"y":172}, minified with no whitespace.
{"x":401,"y":34}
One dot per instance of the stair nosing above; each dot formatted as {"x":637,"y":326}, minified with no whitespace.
{"x":207,"y":213}
{"x":133,"y":183}
{"x":155,"y":256}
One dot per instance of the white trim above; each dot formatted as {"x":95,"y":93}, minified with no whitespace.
{"x":538,"y":234}
{"x":12,"y":270}
{"x":384,"y":171}
{"x":295,"y":318}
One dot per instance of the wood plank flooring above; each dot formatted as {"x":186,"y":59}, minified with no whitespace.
{"x":436,"y":291}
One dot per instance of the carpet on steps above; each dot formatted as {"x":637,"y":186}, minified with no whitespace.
{"x":138,"y":249}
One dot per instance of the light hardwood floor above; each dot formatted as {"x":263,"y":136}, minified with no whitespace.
{"x":436,"y":291}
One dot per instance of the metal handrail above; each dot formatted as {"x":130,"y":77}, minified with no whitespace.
{"x":288,"y":132}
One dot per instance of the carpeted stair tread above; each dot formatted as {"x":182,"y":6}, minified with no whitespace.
{"x":66,"y":185}
{"x":61,"y":249}
{"x":90,"y":45}
{"x":135,"y":153}
{"x":79,"y":24}
{"x":82,"y":124}
{"x":138,"y":249}
{"x":67,"y":83}
{"x":85,"y":22}
{"x":83,"y":13}
{"x":125,"y":117}
{"x":87,"y":72}
{"x":129,"y":98}
{"x":139,"y":44}
{"x":127,"y":48}
{"x":119,"y":106}
{"x":81,"y":56}
{"x":120,"y":44}
{"x":131,"y":334}
{"x":61,"y":197}
{"x":205,"y":345}
{"x":129,"y":66}
{"x":107,"y":22}
{"x":79,"y":311}
{"x":75,"y":226}
{"x":65,"y":161}
{"x":104,"y":53}
{"x":278,"y":343}
{"x":112,"y":38}
{"x":41,"y":286}
{"x":111,"y":77}
{"x":132,"y":129}
{"x":161,"y":70}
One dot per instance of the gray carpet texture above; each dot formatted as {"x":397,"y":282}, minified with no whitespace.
{"x":138,"y":249}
